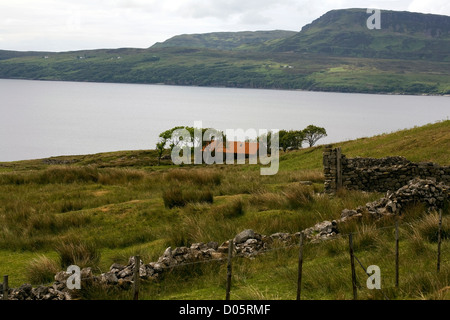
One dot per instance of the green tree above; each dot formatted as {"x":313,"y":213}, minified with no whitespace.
{"x":168,"y":138}
{"x":160,"y":147}
{"x":265,"y":139}
{"x":292,"y":139}
{"x":171,"y":137}
{"x":313,"y":134}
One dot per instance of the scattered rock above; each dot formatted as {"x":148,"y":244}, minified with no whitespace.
{"x":244,"y":236}
{"x":62,"y":276}
{"x":125,"y":273}
{"x":223,"y":248}
{"x":109,"y":278}
{"x":213,"y":245}
{"x":381,"y":175}
{"x":248,"y":243}
{"x":52,"y":161}
{"x":426,"y":191}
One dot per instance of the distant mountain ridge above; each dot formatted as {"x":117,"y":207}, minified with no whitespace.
{"x":405,"y":35}
{"x":224,"y":40}
{"x":410,"y":54}
{"x":343,"y":32}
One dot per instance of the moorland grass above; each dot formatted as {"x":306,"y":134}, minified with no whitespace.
{"x":121,"y":211}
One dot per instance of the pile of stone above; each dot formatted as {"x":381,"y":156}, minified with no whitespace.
{"x":248,"y":243}
{"x":52,"y":161}
{"x":122,"y":275}
{"x":426,"y":191}
{"x":322,"y":231}
{"x":371,"y":174}
{"x":27,"y":292}
{"x":364,"y":163}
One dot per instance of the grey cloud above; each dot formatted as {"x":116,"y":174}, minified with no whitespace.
{"x":223,"y":9}
{"x":250,"y":18}
{"x":71,"y":25}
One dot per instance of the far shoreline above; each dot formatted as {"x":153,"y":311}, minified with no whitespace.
{"x":249,"y":88}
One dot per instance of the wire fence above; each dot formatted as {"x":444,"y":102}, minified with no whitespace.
{"x":300,"y":245}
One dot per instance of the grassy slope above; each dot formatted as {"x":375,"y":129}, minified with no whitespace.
{"x":207,"y":67}
{"x":403,"y":35}
{"x":427,"y":143}
{"x":224,"y":40}
{"x":122,"y":211}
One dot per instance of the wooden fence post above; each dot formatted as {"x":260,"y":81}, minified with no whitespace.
{"x":439,"y":242}
{"x":137,"y":266}
{"x":352,"y":261}
{"x":5,"y":288}
{"x":397,"y":274}
{"x":229,"y":268}
{"x":300,"y":268}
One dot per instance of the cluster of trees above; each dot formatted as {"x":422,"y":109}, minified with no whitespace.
{"x":294,"y":139}
{"x":288,"y":140}
{"x":172,"y":138}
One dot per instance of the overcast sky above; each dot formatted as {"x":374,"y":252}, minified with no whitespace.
{"x":63,"y":25}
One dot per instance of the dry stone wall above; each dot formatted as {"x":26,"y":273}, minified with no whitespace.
{"x":248,"y":243}
{"x":380,"y":175}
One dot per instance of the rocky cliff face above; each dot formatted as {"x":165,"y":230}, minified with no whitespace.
{"x":405,"y":35}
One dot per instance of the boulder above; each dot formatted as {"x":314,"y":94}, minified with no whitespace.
{"x":213,"y":245}
{"x":109,"y":278}
{"x":218,"y":255}
{"x":244,"y":236}
{"x":126,"y":273}
{"x":62,"y":276}
{"x":223,"y":248}
{"x":179,"y":251}
{"x":115,"y":268}
{"x":40,"y":292}
{"x":156,"y":267}
{"x":167,"y":258}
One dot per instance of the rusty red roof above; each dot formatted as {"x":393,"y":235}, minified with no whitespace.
{"x":248,"y":148}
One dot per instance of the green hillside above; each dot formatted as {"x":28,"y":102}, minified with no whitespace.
{"x":409,"y":55}
{"x":224,"y":40}
{"x":403,"y":35}
{"x":114,"y":203}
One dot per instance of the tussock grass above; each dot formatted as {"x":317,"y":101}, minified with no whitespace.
{"x":178,"y":196}
{"x":26,"y":228}
{"x":150,"y":251}
{"x":417,"y":243}
{"x":298,"y":195}
{"x":367,"y":237}
{"x":427,"y":285}
{"x":428,"y":227}
{"x":77,"y":252}
{"x":292,"y":196}
{"x":194,"y":176}
{"x":305,"y":175}
{"x":42,"y":270}
{"x":326,"y":269}
{"x":73,"y":174}
{"x":268,"y":200}
{"x":121,"y":212}
{"x":232,"y":209}
{"x":201,"y":224}
{"x":243,"y":179}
